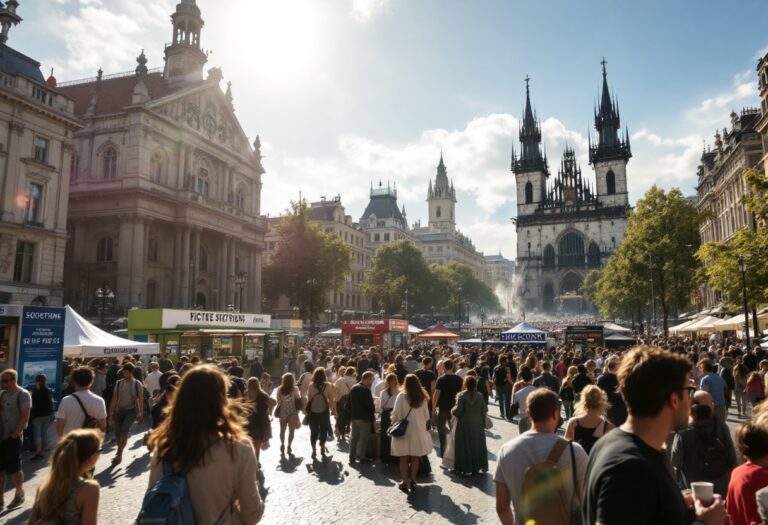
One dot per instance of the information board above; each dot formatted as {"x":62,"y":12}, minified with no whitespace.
{"x":41,"y":346}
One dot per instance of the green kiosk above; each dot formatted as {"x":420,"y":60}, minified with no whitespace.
{"x":209,"y":334}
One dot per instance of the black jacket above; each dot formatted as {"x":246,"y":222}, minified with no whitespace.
{"x":361,"y":402}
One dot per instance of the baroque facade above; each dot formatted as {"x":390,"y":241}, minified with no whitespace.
{"x":721,"y":185}
{"x":164,"y":204}
{"x":566,"y":224}
{"x":36,"y":126}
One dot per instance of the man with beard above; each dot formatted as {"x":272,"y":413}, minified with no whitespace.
{"x":628,"y":478}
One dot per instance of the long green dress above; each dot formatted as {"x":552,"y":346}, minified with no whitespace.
{"x":471,"y":451}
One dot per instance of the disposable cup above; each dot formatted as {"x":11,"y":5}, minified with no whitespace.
{"x":705,"y":491}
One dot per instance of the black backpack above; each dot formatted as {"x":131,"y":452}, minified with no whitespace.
{"x":500,"y":375}
{"x":712,"y":455}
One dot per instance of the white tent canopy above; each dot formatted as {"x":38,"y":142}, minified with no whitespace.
{"x":614,"y":328}
{"x":682,"y":327}
{"x":331,"y":332}
{"x":706,"y":324}
{"x":82,"y":339}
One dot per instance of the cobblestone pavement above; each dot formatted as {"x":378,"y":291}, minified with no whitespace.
{"x":298,"y":490}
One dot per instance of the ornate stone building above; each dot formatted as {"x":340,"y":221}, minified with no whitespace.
{"x":164,"y":205}
{"x":36,"y":127}
{"x":721,"y":184}
{"x":567,"y":224}
{"x":382,"y":220}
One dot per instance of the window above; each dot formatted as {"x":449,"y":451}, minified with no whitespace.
{"x":610,"y":183}
{"x":528,"y":193}
{"x":240,"y":199}
{"x":203,"y":263}
{"x":386,"y":237}
{"x":73,"y":167}
{"x":438,"y":212}
{"x":593,"y":255}
{"x":109,"y":167}
{"x":33,"y":213}
{"x":156,"y":167}
{"x":151,"y":294}
{"x":571,"y":250}
{"x":104,"y":249}
{"x":22,"y":269}
{"x":202,"y":182}
{"x":376,"y":237}
{"x":152,"y":252}
{"x":41,"y":149}
{"x":549,"y":255}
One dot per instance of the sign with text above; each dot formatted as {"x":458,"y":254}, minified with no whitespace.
{"x":366,"y":326}
{"x":41,"y":346}
{"x":209,"y":318}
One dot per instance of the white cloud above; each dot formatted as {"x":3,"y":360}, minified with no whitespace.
{"x":364,"y":10}
{"x":713,"y":110}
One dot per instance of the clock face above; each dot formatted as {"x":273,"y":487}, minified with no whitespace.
{"x":209,"y":123}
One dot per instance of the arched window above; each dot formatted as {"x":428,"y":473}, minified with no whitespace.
{"x":104,"y":249}
{"x":438,"y":212}
{"x":610,"y":182}
{"x":528,"y":193}
{"x":203,"y":182}
{"x":549,"y":255}
{"x":571,"y":250}
{"x":203,"y":262}
{"x":152,"y":249}
{"x":109,"y":163}
{"x":240,"y":198}
{"x":593,"y":255}
{"x":200,"y":300}
{"x":156,"y":166}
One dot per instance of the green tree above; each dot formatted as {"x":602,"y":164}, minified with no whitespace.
{"x":308,"y":264}
{"x":451,"y":277}
{"x":397,"y":267}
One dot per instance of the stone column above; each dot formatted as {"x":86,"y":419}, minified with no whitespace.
{"x":137,"y":264}
{"x":184,"y":267}
{"x":11,"y":177}
{"x":195,"y":264}
{"x":124,"y":263}
{"x":175,"y":266}
{"x":221,"y":271}
{"x":230,"y":277}
{"x":256,"y":281}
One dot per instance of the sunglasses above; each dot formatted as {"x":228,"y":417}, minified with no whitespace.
{"x":691,"y":391}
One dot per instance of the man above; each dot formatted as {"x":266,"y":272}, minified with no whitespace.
{"x":656,"y":387}
{"x":75,"y":408}
{"x":99,"y":377}
{"x":704,"y":451}
{"x":363,"y":414}
{"x":546,"y":379}
{"x":127,"y":406}
{"x":237,"y":384}
{"x":609,"y":383}
{"x":503,"y":381}
{"x":15,"y":406}
{"x":531,"y":448}
{"x":446,"y":388}
{"x":152,"y":381}
{"x":165,"y":364}
{"x":411,"y":362}
{"x":715,"y":385}
{"x":427,"y":378}
{"x":257,"y":369}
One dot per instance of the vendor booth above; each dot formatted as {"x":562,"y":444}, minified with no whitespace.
{"x":207,"y":333}
{"x":437,"y":333}
{"x":387,"y":333}
{"x":618,"y":340}
{"x":525,"y":334}
{"x":82,"y":339}
{"x":584,"y":337}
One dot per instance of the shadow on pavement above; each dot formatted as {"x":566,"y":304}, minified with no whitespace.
{"x":431,"y":500}
{"x":327,"y":471}
{"x":16,"y":520}
{"x":289,"y":464}
{"x":482,"y":481}
{"x":138,"y":466}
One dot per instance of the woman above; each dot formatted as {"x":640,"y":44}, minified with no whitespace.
{"x":567,"y":395}
{"x":204,"y":434}
{"x":347,"y":379}
{"x":67,"y":496}
{"x":471,"y":451}
{"x":740,"y":374}
{"x":319,"y":405}
{"x":158,"y":410}
{"x":755,"y":389}
{"x":288,"y":406}
{"x":266,"y":383}
{"x":590,"y":423}
{"x":411,"y":404}
{"x":746,"y":479}
{"x":259,"y":406}
{"x":42,"y":410}
{"x":387,"y":401}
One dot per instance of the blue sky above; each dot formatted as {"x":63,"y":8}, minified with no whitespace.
{"x":346,"y":92}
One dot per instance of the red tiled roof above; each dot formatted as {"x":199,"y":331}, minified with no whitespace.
{"x":439,"y":331}
{"x":115,"y":93}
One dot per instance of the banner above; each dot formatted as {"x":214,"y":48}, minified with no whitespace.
{"x":41,"y":346}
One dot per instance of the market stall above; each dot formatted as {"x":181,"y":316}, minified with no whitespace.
{"x":82,"y":339}
{"x":387,"y":333}
{"x":525,"y":334}
{"x":437,"y":333}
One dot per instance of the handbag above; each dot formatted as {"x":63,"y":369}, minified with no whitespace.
{"x":398,"y":428}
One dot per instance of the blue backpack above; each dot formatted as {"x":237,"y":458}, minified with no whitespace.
{"x":168,"y":501}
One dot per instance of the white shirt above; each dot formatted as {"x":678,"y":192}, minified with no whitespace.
{"x":521,"y":397}
{"x":72,"y":414}
{"x":152,"y":381}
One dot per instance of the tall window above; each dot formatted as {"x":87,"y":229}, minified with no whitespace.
{"x":240,"y":199}
{"x":549,"y":255}
{"x":156,"y":167}
{"x":104,"y":249}
{"x":41,"y":149}
{"x":152,"y":249}
{"x":202,"y":182}
{"x":593,"y":255}
{"x":438,"y":212}
{"x":528,"y":193}
{"x":610,"y":182}
{"x":571,"y":250}
{"x":22,"y":269}
{"x":109,"y":166}
{"x":73,"y":167}
{"x":33,"y":212}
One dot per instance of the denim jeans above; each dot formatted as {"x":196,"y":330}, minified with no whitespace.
{"x":505,"y":398}
{"x":40,"y":426}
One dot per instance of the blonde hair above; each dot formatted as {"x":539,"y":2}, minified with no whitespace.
{"x":592,"y":397}
{"x":253,"y":388}
{"x":572,"y":371}
{"x":67,"y":461}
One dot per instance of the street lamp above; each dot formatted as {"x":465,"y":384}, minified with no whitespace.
{"x":743,"y":270}
{"x":240,"y":279}
{"x":653,"y":293}
{"x":311,"y":283}
{"x":459,"y":299}
{"x":328,"y":313}
{"x":482,"y":322}
{"x":406,"y":304}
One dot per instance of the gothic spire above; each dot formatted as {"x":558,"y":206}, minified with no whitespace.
{"x":531,"y":158}
{"x":608,"y":125}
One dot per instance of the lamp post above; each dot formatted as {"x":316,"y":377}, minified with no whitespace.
{"x":311,"y":283}
{"x":459,"y":299}
{"x":743,"y":270}
{"x":653,"y":293}
{"x":482,"y":322}
{"x":328,"y":313}
{"x":240,"y":279}
{"x":406,"y":304}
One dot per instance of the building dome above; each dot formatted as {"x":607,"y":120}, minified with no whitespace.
{"x":51,"y":81}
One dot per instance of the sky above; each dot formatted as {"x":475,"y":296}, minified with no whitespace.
{"x":347,"y":93}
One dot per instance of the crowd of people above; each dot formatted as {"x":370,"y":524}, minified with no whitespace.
{"x":642,"y":429}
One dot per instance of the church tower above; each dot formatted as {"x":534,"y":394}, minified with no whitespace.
{"x":530,"y":168}
{"x":442,"y":202}
{"x":611,"y":153}
{"x":184,"y":58}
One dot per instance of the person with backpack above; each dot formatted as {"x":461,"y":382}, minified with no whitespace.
{"x":82,"y":408}
{"x":318,"y":408}
{"x":69,"y":495}
{"x":203,"y":468}
{"x":15,"y":407}
{"x":529,"y":463}
{"x":127,"y":406}
{"x":704,"y":451}
{"x":502,"y":379}
{"x":42,"y":410}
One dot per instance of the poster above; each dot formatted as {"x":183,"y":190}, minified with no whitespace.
{"x":41,"y":346}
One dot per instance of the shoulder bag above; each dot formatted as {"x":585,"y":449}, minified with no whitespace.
{"x":398,"y":428}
